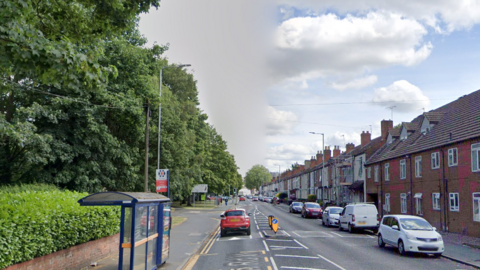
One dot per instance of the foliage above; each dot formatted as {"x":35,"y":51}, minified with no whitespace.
{"x":257,"y":176}
{"x":75,"y":78}
{"x":36,"y":220}
{"x":312,"y":197}
{"x":282,"y":195}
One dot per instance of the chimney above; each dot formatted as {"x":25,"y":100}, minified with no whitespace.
{"x":386,"y":126}
{"x":336,"y":151}
{"x":307,"y":164}
{"x":365,"y":138}
{"x":327,"y":153}
{"x":350,"y":147}
{"x":319,"y":157}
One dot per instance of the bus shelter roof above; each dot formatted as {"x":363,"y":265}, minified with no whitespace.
{"x":122,"y":198}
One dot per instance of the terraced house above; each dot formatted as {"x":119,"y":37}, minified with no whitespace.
{"x":430,"y":167}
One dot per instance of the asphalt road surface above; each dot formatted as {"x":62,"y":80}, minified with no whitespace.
{"x":303,"y":244}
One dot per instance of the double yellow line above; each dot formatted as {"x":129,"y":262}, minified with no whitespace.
{"x":210,"y":242}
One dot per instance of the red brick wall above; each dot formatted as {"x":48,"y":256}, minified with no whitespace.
{"x":77,"y":257}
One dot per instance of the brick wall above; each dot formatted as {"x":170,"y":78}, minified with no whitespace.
{"x":76,"y":257}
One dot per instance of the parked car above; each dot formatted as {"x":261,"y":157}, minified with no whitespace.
{"x":296,"y":207}
{"x":241,"y":198}
{"x":360,"y":216}
{"x":249,"y":196}
{"x":254,"y":199}
{"x":268,"y":199}
{"x":410,"y":234}
{"x":331,"y":216}
{"x":311,"y":210}
{"x":234,"y":220}
{"x":260,"y":198}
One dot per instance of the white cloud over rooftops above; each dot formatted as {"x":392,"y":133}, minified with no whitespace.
{"x":402,"y":94}
{"x":354,"y":84}
{"x":280,"y":122}
{"x":329,"y":45}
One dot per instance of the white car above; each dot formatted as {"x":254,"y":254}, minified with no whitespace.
{"x":410,"y":234}
{"x":359,"y":216}
{"x":331,"y":216}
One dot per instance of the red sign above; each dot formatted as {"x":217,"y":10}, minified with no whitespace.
{"x":162,"y":181}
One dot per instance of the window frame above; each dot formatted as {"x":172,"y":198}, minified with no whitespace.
{"x":418,"y":166}
{"x":455,"y":207}
{"x":435,"y":160}
{"x":403,"y":203}
{"x":369,"y":172}
{"x":476,"y":197}
{"x":436,"y":201}
{"x":387,"y":171}
{"x":403,"y":169}
{"x":451,"y":161}
{"x":387,"y":202}
{"x":475,"y":150}
{"x":419,"y":206}
{"x":375,"y":173}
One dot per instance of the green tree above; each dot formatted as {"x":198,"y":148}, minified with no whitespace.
{"x":257,"y":176}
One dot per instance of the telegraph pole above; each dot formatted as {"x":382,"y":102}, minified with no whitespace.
{"x":147,"y":127}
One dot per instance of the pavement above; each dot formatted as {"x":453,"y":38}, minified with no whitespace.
{"x":185,"y":238}
{"x":189,"y":236}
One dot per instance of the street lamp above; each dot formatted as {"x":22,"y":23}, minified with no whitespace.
{"x":323,"y":157}
{"x":160,"y":119}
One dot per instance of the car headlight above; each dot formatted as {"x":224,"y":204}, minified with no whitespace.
{"x":410,"y":236}
{"x":439,"y":237}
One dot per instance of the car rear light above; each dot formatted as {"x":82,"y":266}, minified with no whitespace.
{"x":353,"y":217}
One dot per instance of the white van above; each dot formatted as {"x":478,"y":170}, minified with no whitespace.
{"x":359,"y":216}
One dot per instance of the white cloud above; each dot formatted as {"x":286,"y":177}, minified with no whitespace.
{"x":402,"y":94}
{"x":354,"y":84}
{"x":289,"y":153}
{"x":442,"y":15}
{"x":329,"y":45}
{"x":280,"y":122}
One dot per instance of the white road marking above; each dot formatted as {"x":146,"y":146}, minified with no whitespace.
{"x":261,"y":236}
{"x":370,"y":236}
{"x":280,"y":240}
{"x":300,"y":268}
{"x":295,"y":256}
{"x":273,"y":264}
{"x":266,"y":247}
{"x":297,"y":234}
{"x":336,"y":234}
{"x":258,"y":228}
{"x":300,"y":244}
{"x":284,"y":247}
{"x":287,"y":233}
{"x":331,"y":262}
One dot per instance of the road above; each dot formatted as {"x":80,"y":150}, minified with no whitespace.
{"x":303,"y":244}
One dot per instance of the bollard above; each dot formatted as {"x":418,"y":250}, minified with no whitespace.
{"x":270,"y":221}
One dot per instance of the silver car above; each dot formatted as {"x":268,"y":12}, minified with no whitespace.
{"x":331,"y":216}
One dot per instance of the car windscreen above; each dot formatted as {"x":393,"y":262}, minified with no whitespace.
{"x":297,"y":204}
{"x":312,"y":205}
{"x":234,"y":213}
{"x":415,"y":224}
{"x":366,"y":210}
{"x":335,"y":210}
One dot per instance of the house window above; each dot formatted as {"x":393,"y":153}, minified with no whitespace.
{"x":476,"y":206}
{"x":360,"y":168}
{"x":454,"y":202}
{"x":452,"y":157}
{"x":476,"y":157}
{"x":376,"y":173}
{"x":387,"y":202}
{"x":369,"y":172}
{"x":418,"y":166}
{"x":387,"y":171}
{"x":436,"y":160}
{"x":403,"y":169}
{"x":403,"y":203}
{"x":418,"y":204}
{"x":436,"y":201}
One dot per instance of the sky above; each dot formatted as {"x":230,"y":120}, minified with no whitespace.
{"x":270,"y":73}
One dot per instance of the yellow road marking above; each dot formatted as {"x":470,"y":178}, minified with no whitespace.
{"x":269,"y":267}
{"x":263,"y":252}
{"x":266,"y":259}
{"x":191,"y":263}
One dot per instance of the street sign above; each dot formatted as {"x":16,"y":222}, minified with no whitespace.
{"x":162,"y":180}
{"x":275,"y":224}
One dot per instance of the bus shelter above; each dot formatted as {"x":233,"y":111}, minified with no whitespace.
{"x":144,"y":227}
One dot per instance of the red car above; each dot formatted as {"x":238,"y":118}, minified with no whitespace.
{"x":242,"y":198}
{"x":234,"y":220}
{"x":311,"y":210}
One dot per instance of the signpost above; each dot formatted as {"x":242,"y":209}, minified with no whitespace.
{"x":162,"y":181}
{"x":275,"y":224}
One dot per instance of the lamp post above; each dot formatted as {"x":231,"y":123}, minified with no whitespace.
{"x":160,"y":119}
{"x":323,"y":157}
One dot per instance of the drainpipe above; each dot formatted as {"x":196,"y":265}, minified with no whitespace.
{"x":445,"y":180}
{"x":411,"y":186}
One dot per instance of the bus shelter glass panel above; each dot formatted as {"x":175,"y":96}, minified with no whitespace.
{"x":146,"y":235}
{"x":152,"y":237}
{"x":127,"y":238}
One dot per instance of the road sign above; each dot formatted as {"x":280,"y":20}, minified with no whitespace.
{"x":275,"y":224}
{"x":162,"y":180}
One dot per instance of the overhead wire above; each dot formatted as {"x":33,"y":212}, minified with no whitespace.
{"x":359,"y":102}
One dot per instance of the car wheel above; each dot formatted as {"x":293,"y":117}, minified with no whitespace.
{"x":328,"y":223}
{"x":249,"y":231}
{"x":380,"y":241}
{"x":340,"y":226}
{"x":437,"y":255}
{"x":350,"y":228}
{"x":222,"y":233}
{"x":401,"y":248}
{"x":323,"y":223}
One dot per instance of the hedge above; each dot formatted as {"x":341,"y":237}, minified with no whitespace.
{"x":37,"y":220}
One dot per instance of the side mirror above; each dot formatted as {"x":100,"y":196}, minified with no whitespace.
{"x":222,"y":216}
{"x":434,"y":228}
{"x":249,"y":214}
{"x":395,"y":227}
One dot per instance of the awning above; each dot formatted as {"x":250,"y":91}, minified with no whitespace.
{"x":356,"y":185}
{"x":418,"y":195}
